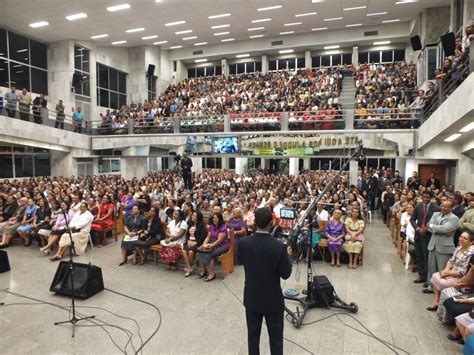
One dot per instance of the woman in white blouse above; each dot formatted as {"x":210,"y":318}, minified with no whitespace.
{"x":175,"y":237}
{"x":407,"y":232}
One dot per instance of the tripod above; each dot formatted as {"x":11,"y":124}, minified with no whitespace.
{"x":73,"y":319}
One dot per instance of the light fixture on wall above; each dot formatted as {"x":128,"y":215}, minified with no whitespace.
{"x":453,"y":137}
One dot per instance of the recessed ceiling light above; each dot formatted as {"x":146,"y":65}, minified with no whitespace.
{"x":221,"y":33}
{"x":39,"y":24}
{"x":242,"y":55}
{"x":354,"y":25}
{"x":200,"y":44}
{"x":286,"y":51}
{"x":378,"y":13}
{"x":319,"y":29}
{"x":76,"y":16}
{"x":219,"y":16}
{"x":306,"y":14}
{"x":200,"y":60}
{"x":119,"y":42}
{"x":293,"y":24}
{"x":149,"y":37}
{"x":332,"y":47}
{"x":332,"y":19}
{"x":220,"y":26}
{"x":189,"y":38}
{"x":390,"y":21}
{"x":270,"y":8}
{"x":354,"y":8}
{"x":160,"y":42}
{"x":132,"y":30}
{"x":176,"y":47}
{"x":228,"y":40}
{"x":287,"y":33}
{"x":405,"y":2}
{"x":100,"y":36}
{"x":261,"y":20}
{"x":183,"y":32}
{"x":453,"y":137}
{"x":22,"y":50}
{"x":118,"y":7}
{"x":467,"y":128}
{"x":256,"y":36}
{"x":256,"y":29}
{"x":380,"y":43}
{"x":175,"y":23}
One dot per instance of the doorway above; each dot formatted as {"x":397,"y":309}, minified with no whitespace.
{"x":425,"y":170}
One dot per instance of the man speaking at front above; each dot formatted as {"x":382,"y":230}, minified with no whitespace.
{"x":265,"y":261}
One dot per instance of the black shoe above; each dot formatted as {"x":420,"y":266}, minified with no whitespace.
{"x":427,"y":290}
{"x":3,"y":246}
{"x":419,"y":281}
{"x":426,"y":284}
{"x":123,"y":263}
{"x":452,"y":337}
{"x":432,"y":309}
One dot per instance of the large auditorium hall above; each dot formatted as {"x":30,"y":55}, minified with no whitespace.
{"x":236,"y":177}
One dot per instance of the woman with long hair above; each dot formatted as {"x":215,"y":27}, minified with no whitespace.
{"x":195,"y":236}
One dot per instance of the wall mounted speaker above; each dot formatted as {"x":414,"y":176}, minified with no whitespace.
{"x":449,"y":43}
{"x":416,"y":43}
{"x":151,"y":70}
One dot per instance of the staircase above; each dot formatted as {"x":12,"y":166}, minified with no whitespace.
{"x":347,"y":97}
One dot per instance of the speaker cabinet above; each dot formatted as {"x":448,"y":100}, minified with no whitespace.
{"x":449,"y":43}
{"x":4,"y":263}
{"x":151,"y":70}
{"x":416,"y":43}
{"x":87,"y":280}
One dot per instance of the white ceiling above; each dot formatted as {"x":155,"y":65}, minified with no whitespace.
{"x":18,"y":14}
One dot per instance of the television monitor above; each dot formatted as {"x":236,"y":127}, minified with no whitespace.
{"x":226,"y":145}
{"x":287,"y":213}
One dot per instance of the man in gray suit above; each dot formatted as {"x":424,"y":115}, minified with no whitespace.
{"x":442,"y":226}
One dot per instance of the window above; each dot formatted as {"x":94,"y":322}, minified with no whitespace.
{"x":19,"y":48}
{"x":363,"y":57}
{"x":7,"y":166}
{"x":336,"y":60}
{"x":200,"y":72}
{"x":240,"y":68}
{"x":4,"y":81}
{"x":316,"y":62}
{"x":291,"y":63}
{"x":232,"y":163}
{"x":272,"y":65}
{"x":20,"y":76}
{"x":399,"y":55}
{"x":81,"y":81}
{"x":191,"y":73}
{"x":387,"y":56}
{"x":258,"y":66}
{"x":210,"y":71}
{"x":326,"y":60}
{"x":3,"y":43}
{"x":432,"y":65}
{"x":39,"y":81}
{"x":151,"y":87}
{"x":300,"y":63}
{"x":281,"y":64}
{"x":109,"y":165}
{"x":374,"y":57}
{"x":347,"y":59}
{"x":218,"y":70}
{"x":38,"y":54}
{"x":111,"y":87}
{"x":233,"y":69}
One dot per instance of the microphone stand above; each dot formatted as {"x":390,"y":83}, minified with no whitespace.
{"x":310,"y":301}
{"x":73,"y":319}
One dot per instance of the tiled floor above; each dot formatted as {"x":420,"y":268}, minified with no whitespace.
{"x":206,"y":318}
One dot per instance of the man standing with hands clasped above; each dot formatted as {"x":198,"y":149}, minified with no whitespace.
{"x":265,"y":261}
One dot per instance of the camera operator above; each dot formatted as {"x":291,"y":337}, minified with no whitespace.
{"x":265,"y":261}
{"x":186,"y":165}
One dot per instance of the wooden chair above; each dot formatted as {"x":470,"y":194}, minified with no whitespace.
{"x":113,"y":227}
{"x":227,"y":259}
{"x":155,"y":248}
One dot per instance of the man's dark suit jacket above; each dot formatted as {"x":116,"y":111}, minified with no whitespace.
{"x":417,"y":217}
{"x":434,"y":182}
{"x":265,"y":261}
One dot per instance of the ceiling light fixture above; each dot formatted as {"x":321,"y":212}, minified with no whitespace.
{"x":293,"y":24}
{"x":76,"y":16}
{"x":118,"y":7}
{"x":220,"y":26}
{"x":189,"y":38}
{"x":286,"y":51}
{"x":100,"y":36}
{"x":22,"y":50}
{"x":219,"y":16}
{"x":183,"y":32}
{"x":39,"y":24}
{"x":221,"y":33}
{"x":160,"y":42}
{"x":467,"y":128}
{"x":242,"y":55}
{"x":287,"y":33}
{"x":270,"y":8}
{"x":228,"y":40}
{"x":149,"y":37}
{"x":332,"y":19}
{"x":200,"y":60}
{"x":132,"y":30}
{"x":332,"y":47}
{"x":176,"y":47}
{"x":118,"y":42}
{"x":174,"y":23}
{"x":354,"y":8}
{"x":261,"y":20}
{"x":306,"y":14}
{"x":378,"y":13}
{"x":381,"y":43}
{"x":200,"y":44}
{"x":390,"y":21}
{"x":354,"y":25}
{"x":256,"y":29}
{"x":453,"y":137}
{"x":405,"y":2}
{"x":319,"y":29}
{"x":256,"y":36}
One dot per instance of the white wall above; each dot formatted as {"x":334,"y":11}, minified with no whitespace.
{"x":115,"y":57}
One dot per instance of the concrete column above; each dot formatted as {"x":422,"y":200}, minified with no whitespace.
{"x":181,"y":72}
{"x":294,"y":166}
{"x":197,"y":164}
{"x":225,"y":67}
{"x":306,"y":163}
{"x":137,"y":88}
{"x":264,"y":64}
{"x":308,"y":61}
{"x":353,"y":172}
{"x":349,"y":118}
{"x":355,"y":56}
{"x":227,"y":123}
{"x":263,"y":163}
{"x":284,"y":121}
{"x":225,"y":163}
{"x":241,"y":165}
{"x":131,"y":167}
{"x":64,"y":163}
{"x":463,"y":180}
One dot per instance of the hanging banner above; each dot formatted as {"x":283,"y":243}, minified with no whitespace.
{"x":288,"y":144}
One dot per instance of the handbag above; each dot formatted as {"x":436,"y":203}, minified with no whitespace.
{"x":168,"y":244}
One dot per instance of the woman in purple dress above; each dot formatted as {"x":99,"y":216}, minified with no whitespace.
{"x":335,"y":237}
{"x":239,"y":225}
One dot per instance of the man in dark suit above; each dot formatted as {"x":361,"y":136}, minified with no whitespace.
{"x":414,"y":181}
{"x":419,"y":221}
{"x":186,"y":165}
{"x":433,"y":180}
{"x":265,"y":261}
